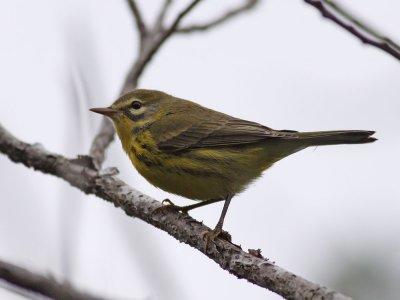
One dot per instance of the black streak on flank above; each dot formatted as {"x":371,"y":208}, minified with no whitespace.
{"x":144,"y":146}
{"x":202,"y":173}
{"x":156,"y":163}
{"x":144,"y":159}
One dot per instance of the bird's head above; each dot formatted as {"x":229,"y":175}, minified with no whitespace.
{"x":134,"y":109}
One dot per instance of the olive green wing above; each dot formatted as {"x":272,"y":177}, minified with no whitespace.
{"x":207,"y":129}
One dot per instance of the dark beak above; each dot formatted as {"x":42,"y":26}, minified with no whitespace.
{"x":107,"y":111}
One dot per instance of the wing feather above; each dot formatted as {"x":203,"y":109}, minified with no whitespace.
{"x":205,"y":128}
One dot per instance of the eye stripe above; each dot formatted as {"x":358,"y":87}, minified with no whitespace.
{"x":133,"y":117}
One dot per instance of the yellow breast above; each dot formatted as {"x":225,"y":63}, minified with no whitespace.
{"x":201,"y":174}
{"x":175,"y":173}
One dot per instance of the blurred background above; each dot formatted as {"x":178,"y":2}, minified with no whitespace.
{"x":329,"y":214}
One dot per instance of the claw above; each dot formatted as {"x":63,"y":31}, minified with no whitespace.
{"x":165,"y":205}
{"x":210,"y":236}
{"x":167,"y":201}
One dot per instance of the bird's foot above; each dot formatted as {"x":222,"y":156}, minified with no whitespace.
{"x":210,"y":236}
{"x":167,"y":204}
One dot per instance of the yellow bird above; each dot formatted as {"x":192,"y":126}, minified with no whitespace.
{"x":202,"y":154}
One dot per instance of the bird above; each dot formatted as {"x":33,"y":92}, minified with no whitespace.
{"x":201,"y":154}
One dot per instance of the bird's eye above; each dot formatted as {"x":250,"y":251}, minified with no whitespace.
{"x":136,"y":105}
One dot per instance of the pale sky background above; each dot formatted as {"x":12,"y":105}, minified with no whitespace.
{"x":319,"y":213}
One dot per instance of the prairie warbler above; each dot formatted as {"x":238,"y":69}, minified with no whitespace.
{"x":201,"y":154}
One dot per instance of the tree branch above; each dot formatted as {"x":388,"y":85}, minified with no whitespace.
{"x":373,"y":32}
{"x":181,"y":15}
{"x":141,"y":26}
{"x":362,"y":30}
{"x":230,"y":14}
{"x":44,"y":285}
{"x":150,"y":46}
{"x":230,"y":257}
{"x":102,"y":140}
{"x":161,"y":16}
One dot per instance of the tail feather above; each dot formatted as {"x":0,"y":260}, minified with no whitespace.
{"x":320,"y":138}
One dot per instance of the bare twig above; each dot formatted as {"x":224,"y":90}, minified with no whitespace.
{"x":230,"y":257}
{"x":101,"y":142}
{"x":151,"y":45}
{"x":362,"y":25}
{"x":228,"y":15}
{"x":384,"y":44}
{"x":181,"y":15}
{"x":161,"y":16}
{"x":44,"y":285}
{"x":141,"y":26}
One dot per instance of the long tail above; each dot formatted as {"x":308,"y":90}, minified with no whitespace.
{"x":319,"y":138}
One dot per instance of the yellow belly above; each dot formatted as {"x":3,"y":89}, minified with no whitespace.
{"x":199,"y":174}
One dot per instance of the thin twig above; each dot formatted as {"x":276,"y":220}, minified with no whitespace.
{"x":362,"y":25}
{"x":141,"y":26}
{"x":176,"y":23}
{"x":43,"y":285}
{"x":230,"y":257}
{"x":228,"y":15}
{"x":150,"y":46}
{"x":101,"y":141}
{"x":384,"y":45}
{"x":161,"y":16}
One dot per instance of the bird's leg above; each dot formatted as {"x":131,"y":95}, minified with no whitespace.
{"x":168,"y":204}
{"x":213,"y":234}
{"x":185,"y":209}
